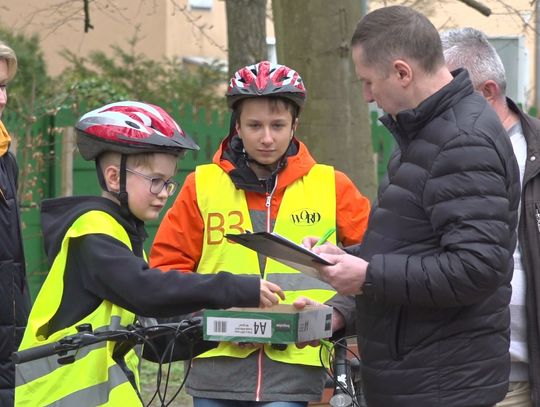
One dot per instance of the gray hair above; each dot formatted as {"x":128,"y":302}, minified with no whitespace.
{"x":470,"y":49}
{"x":8,"y":55}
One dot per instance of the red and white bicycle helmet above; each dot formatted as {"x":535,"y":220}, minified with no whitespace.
{"x":266,"y":79}
{"x":129,"y":127}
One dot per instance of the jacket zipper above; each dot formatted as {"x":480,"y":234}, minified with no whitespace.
{"x":261,"y":350}
{"x":259,"y":375}
{"x":269,"y":204}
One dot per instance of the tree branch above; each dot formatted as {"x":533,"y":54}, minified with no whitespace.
{"x":201,"y":28}
{"x":87,"y":25}
{"x":478,"y":7}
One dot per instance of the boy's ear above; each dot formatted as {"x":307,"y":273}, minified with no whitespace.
{"x":111,"y":173}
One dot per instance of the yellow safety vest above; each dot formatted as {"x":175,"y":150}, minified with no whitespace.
{"x":94,"y":379}
{"x":308,"y":208}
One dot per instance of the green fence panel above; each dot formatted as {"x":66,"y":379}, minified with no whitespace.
{"x":383,"y":144}
{"x":206,"y":128}
{"x":31,"y":138}
{"x":36,"y":262}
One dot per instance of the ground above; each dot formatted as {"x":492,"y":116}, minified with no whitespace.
{"x":149,"y":380}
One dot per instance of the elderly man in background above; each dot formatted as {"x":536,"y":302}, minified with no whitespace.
{"x":470,"y":49}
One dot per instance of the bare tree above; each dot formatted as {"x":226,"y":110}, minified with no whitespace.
{"x":246,"y":32}
{"x":313,"y":37}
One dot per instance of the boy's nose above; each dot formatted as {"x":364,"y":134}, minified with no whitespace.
{"x":267,"y":135}
{"x":163,"y":193}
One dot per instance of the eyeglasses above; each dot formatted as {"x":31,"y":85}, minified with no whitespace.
{"x":157,"y":184}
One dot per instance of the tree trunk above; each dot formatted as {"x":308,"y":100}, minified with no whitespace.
{"x":312,"y":37}
{"x":246,"y":32}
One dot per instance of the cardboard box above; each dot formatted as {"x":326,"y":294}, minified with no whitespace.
{"x":279,"y":324}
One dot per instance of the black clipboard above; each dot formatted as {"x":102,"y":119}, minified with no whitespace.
{"x":280,"y":249}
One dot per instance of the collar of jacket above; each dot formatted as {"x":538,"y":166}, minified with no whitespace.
{"x":231,"y":158}
{"x":5,"y":139}
{"x":529,"y":125}
{"x":58,"y":214}
{"x":409,"y":122}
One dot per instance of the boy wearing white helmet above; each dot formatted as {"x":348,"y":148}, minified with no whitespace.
{"x":99,"y":274}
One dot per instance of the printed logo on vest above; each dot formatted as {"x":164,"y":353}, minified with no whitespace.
{"x":305,"y":217}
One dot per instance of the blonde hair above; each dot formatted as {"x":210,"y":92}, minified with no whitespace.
{"x":134,"y":160}
{"x":8,"y":55}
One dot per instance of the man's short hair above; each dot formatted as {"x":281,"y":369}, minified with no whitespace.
{"x":395,"y":32}
{"x":470,"y":49}
{"x":8,"y":55}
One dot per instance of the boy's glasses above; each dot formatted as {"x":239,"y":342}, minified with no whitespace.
{"x":157,"y":184}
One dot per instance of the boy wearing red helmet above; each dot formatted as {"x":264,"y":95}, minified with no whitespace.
{"x":99,"y":274}
{"x":262,"y":179}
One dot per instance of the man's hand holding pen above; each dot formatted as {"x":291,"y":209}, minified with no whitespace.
{"x":347,"y":272}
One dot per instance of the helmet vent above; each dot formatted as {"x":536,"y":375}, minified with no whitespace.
{"x":266,"y":79}
{"x":130,"y":127}
{"x":133,"y":124}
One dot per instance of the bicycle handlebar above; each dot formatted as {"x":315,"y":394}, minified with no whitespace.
{"x":37,"y":352}
{"x":86,"y":337}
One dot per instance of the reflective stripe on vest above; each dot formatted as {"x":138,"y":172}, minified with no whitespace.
{"x":94,"y":378}
{"x":308,"y":208}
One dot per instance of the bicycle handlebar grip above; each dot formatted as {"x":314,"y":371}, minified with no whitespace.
{"x":34,"y":353}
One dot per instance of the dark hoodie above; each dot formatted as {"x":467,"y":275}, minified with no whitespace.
{"x":14,"y":294}
{"x":100,"y":267}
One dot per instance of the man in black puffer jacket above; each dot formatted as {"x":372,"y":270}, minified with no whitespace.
{"x":432,"y":275}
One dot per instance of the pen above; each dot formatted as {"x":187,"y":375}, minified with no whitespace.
{"x":325,"y":237}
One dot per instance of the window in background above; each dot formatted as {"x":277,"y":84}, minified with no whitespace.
{"x":200,"y":4}
{"x":271,"y":49}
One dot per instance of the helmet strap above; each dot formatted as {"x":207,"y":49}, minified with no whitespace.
{"x":122,"y":194}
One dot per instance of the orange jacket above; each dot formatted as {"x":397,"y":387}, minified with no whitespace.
{"x":179,"y":240}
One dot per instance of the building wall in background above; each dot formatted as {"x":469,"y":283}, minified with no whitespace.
{"x":195,"y":30}
{"x":164,"y":30}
